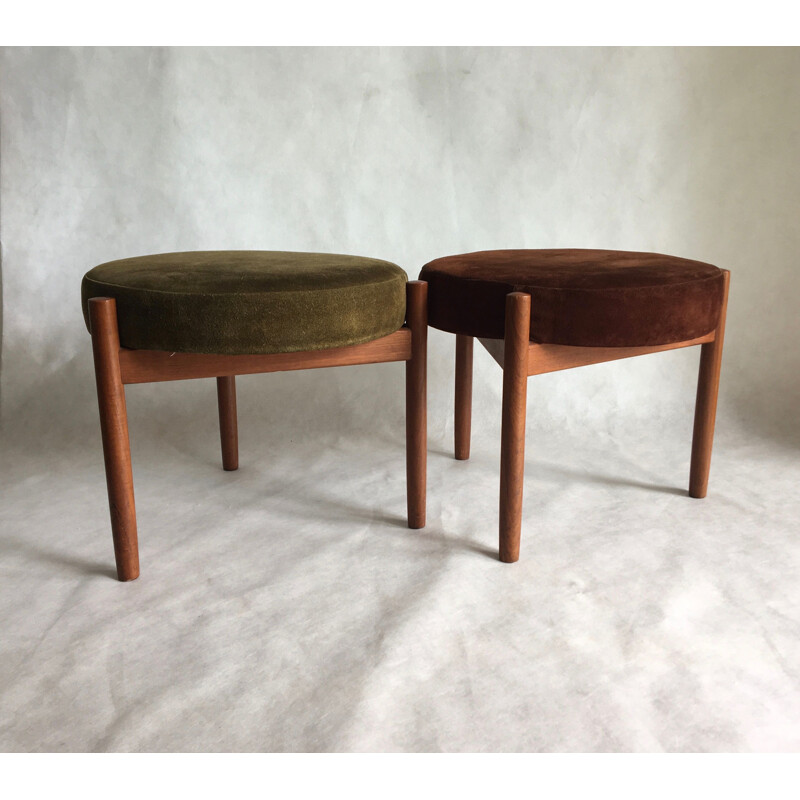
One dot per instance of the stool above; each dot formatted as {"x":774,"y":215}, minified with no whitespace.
{"x":539,"y":311}
{"x":220,"y":314}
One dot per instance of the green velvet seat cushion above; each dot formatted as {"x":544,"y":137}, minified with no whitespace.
{"x":241,"y":301}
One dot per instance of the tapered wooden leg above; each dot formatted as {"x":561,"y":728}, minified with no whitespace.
{"x":512,"y":449}
{"x":463,"y":409}
{"x":416,"y":402}
{"x":114,"y":429}
{"x":705,"y":411}
{"x":228,"y":429}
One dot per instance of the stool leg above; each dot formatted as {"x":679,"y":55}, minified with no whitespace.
{"x":512,"y":450}
{"x":463,"y":409}
{"x":416,"y":402}
{"x":114,"y":430}
{"x":228,"y":429}
{"x":705,"y":411}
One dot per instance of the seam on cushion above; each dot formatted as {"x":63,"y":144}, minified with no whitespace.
{"x":240,"y":294}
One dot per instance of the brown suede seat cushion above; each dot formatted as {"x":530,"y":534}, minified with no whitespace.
{"x":590,"y":298}
{"x":244,"y":301}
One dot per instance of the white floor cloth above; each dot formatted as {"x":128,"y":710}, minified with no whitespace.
{"x":287,"y":607}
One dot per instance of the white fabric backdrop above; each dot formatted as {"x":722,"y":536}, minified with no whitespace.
{"x":285,"y":606}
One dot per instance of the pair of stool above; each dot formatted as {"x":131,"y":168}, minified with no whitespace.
{"x":220,"y":314}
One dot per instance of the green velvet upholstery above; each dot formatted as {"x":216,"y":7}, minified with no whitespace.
{"x":244,"y":302}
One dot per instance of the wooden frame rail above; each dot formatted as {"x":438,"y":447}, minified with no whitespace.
{"x":148,"y":366}
{"x":543,"y":358}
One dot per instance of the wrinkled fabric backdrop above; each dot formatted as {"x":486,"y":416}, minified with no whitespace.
{"x":286,"y":606}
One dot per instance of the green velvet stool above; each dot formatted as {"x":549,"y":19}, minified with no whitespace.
{"x":220,"y":314}
{"x":539,"y":311}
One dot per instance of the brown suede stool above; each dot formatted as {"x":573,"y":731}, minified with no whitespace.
{"x":539,"y":311}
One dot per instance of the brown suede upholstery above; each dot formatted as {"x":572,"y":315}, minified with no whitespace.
{"x":589,"y":298}
{"x":249,"y":301}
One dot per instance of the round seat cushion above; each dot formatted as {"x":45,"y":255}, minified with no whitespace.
{"x":589,"y":298}
{"x":244,"y":302}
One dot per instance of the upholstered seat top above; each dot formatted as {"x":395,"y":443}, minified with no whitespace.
{"x":590,"y":298}
{"x":244,"y":301}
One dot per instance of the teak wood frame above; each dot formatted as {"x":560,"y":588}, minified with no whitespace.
{"x":116,"y":366}
{"x":519,"y":358}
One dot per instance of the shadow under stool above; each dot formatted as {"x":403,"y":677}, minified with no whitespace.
{"x":539,"y":311}
{"x":218,"y":314}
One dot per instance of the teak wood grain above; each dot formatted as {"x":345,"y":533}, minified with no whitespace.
{"x":544,"y":358}
{"x":417,"y":403}
{"x":463,"y":395}
{"x":228,"y":424}
{"x":512,"y":446}
{"x":705,"y":410}
{"x":114,"y":431}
